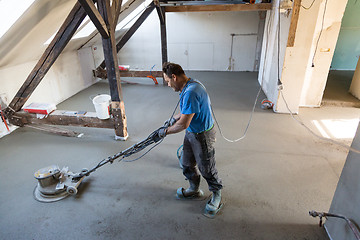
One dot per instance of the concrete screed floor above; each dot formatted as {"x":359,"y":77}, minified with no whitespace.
{"x":272,"y":178}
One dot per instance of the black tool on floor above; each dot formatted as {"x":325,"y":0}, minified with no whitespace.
{"x":349,"y":222}
{"x":55,"y":184}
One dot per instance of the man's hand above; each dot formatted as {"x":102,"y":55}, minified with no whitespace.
{"x":159,"y":134}
{"x":162,"y":132}
{"x":170,"y":122}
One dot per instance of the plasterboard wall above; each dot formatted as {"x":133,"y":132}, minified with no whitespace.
{"x":197,"y":41}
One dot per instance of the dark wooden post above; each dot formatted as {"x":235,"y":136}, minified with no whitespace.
{"x":112,"y":69}
{"x":51,"y":53}
{"x":164,"y":52}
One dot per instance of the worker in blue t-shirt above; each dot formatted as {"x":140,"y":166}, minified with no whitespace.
{"x":198,"y":147}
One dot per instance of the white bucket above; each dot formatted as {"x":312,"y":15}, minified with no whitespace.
{"x":102,"y":106}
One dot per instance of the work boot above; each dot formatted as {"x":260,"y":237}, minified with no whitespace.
{"x":193,"y":189}
{"x":192,"y":192}
{"x":214,"y":203}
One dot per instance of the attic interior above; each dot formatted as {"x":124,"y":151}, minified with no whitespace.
{"x":301,"y":55}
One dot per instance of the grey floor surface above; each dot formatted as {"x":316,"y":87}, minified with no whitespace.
{"x":337,"y":90}
{"x":272,"y":178}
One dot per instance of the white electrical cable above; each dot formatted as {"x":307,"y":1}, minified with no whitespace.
{"x":247,"y":127}
{"x":257,"y":96}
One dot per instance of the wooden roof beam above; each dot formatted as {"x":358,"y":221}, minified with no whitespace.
{"x":220,"y":7}
{"x":116,"y":9}
{"x":95,"y":17}
{"x":131,"y":30}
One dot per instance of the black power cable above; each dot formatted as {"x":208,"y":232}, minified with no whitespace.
{"x":307,"y":8}
{"x":317,"y":42}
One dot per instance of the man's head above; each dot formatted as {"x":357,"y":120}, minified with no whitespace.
{"x":174,"y":75}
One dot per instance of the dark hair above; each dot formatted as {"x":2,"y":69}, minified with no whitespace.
{"x":172,"y":68}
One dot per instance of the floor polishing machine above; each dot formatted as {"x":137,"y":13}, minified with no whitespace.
{"x":55,"y":184}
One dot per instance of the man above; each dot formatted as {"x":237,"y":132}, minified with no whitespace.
{"x":198,"y":148}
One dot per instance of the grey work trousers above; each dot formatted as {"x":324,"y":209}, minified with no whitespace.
{"x":199,"y":154}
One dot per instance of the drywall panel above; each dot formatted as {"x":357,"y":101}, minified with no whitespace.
{"x":64,"y":79}
{"x":347,"y":196}
{"x":348,"y":45}
{"x":210,"y":32}
{"x":244,"y":47}
{"x":71,"y":73}
{"x":178,"y":53}
{"x":201,"y":56}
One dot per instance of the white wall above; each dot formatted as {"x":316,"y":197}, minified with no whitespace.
{"x":197,"y":41}
{"x":64,"y":79}
{"x":303,"y":85}
{"x":316,"y":77}
{"x":71,"y":73}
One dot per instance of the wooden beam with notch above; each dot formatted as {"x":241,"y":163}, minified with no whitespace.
{"x":102,"y":74}
{"x":141,"y":73}
{"x":222,"y":7}
{"x":52,"y":52}
{"x":293,"y":23}
{"x":95,"y":17}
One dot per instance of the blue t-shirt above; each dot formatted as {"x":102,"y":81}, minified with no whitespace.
{"x":194,"y":99}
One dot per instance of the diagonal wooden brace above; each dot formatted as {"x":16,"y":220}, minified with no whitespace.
{"x":95,"y":17}
{"x":51,"y":53}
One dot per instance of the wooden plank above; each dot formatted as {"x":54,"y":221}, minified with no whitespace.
{"x":293,"y":23}
{"x":125,"y":38}
{"x":67,"y":118}
{"x":102,"y":74}
{"x":112,"y":70}
{"x":95,"y":17}
{"x":51,"y":53}
{"x":221,"y":7}
{"x":141,"y":73}
{"x":116,"y":9}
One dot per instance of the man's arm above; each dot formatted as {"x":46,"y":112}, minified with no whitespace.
{"x":182,"y":124}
